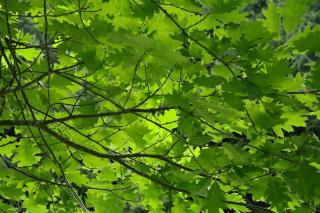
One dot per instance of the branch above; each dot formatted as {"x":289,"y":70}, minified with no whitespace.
{"x":134,"y":77}
{"x":52,"y":15}
{"x":125,"y":111}
{"x":112,"y":157}
{"x":34,"y":177}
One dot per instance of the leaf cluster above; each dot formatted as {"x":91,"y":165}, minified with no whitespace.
{"x":159,"y":105}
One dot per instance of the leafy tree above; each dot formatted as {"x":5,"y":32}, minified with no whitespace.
{"x":159,"y":106}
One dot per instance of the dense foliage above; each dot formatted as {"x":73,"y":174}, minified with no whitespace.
{"x":159,"y":106}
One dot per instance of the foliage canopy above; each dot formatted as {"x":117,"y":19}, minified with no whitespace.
{"x":159,"y":105}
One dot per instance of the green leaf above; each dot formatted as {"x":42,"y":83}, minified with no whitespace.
{"x":308,"y":40}
{"x":272,"y":21}
{"x":26,"y":154}
{"x":302,"y":180}
{"x":293,"y":11}
{"x":236,"y":198}
{"x":277,"y":194}
{"x":215,"y":199}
